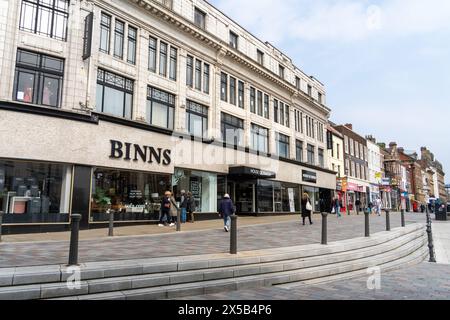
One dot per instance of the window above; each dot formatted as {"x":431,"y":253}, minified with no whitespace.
{"x":281,"y":71}
{"x":173,"y":64}
{"x":132,"y":39}
{"x":114,"y":94}
{"x":38,"y":78}
{"x":198,"y":74}
{"x":311,"y":154}
{"x":206,"y":78}
{"x":241,"y":94}
{"x":160,"y":108}
{"x":281,"y":113}
{"x":338,"y":152}
{"x":321,"y":158}
{"x":357,"y":154}
{"x":163,"y":59}
{"x":298,"y":120}
{"x":152,"y":48}
{"x":347,"y":167}
{"x":259,"y":138}
{"x":275,"y":110}
{"x":361,"y":151}
{"x":297,"y":83}
{"x":196,"y":119}
{"x":252,"y":100}
{"x":260,"y":103}
{"x":287,"y":117}
{"x":199,"y":18}
{"x":352,"y":152}
{"x":353,"y":171}
{"x":309,"y":90}
{"x":346,"y":144}
{"x":118,"y":39}
{"x":223,"y":87}
{"x":260,"y":57}
{"x":320,"y":98}
{"x":233,"y":90}
{"x":190,"y":71}
{"x":234,"y":40}
{"x":266,"y":106}
{"x":358,"y":171}
{"x":299,"y":150}
{"x":232,"y":129}
{"x":105,"y":30}
{"x":282,"y":145}
{"x":45,"y":17}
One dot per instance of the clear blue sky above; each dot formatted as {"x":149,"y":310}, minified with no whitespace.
{"x":385,"y":64}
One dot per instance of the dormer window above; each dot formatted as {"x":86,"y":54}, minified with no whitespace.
{"x":200,"y":18}
{"x":260,"y":57}
{"x":234,"y":40}
{"x":281,"y":71}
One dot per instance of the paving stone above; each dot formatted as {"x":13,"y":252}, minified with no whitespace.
{"x":62,"y":290}
{"x":30,"y":292}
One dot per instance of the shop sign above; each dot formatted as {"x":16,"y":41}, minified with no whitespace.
{"x":344,"y":184}
{"x":135,"y":152}
{"x":309,"y":176}
{"x":386,"y":182}
{"x":87,"y":39}
{"x":256,"y":173}
{"x":352,"y":187}
{"x":378,"y":175}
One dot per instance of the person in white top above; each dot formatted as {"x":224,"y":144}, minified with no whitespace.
{"x":378,"y":206}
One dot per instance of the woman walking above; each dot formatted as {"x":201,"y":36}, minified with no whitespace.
{"x":165,"y":209}
{"x":173,"y":210}
{"x":306,"y":208}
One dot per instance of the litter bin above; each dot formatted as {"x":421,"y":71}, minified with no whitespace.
{"x":441,"y":214}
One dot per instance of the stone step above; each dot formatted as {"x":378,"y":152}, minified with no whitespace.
{"x":109,"y":269}
{"x":245,"y":282}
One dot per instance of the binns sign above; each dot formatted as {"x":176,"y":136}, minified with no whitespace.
{"x":134,"y":152}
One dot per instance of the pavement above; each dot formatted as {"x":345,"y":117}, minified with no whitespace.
{"x":425,"y":281}
{"x":441,"y":239}
{"x":199,"y":238}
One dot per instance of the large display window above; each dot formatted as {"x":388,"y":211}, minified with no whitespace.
{"x":130,"y":196}
{"x":35,"y":192}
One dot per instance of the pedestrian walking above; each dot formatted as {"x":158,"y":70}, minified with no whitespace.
{"x":165,"y":210}
{"x":306,"y":208}
{"x":358,"y":206}
{"x":370,"y":207}
{"x":191,"y":206}
{"x":173,"y":211}
{"x":336,"y":207}
{"x":183,"y":206}
{"x":378,"y":204}
{"x":226,"y":209}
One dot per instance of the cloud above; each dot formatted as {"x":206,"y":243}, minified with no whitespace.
{"x":341,"y":20}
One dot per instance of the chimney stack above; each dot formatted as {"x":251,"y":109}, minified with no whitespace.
{"x":349,"y":125}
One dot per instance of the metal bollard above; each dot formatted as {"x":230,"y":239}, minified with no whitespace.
{"x":1,"y":221}
{"x":430,"y":239}
{"x":403,"y":217}
{"x":233,"y":235}
{"x":388,"y":221}
{"x":111,"y":225}
{"x":367,"y":224}
{"x":75,"y":226}
{"x":179,"y":220}
{"x":324,"y":228}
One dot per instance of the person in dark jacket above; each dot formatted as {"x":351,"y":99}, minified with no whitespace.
{"x":226,"y":209}
{"x":165,"y":210}
{"x":305,"y":212}
{"x":191,"y":206}
{"x":183,"y":205}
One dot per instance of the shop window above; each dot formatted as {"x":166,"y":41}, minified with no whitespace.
{"x":45,"y":17}
{"x":202,"y":185}
{"x":114,"y":94}
{"x":264,"y":196}
{"x":160,"y":108}
{"x":259,"y":138}
{"x":130,"y":196}
{"x":196,"y":119}
{"x":232,"y":129}
{"x":32,"y":192}
{"x":286,"y":197}
{"x":38,"y":78}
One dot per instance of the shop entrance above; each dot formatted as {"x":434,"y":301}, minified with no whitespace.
{"x":244,"y":195}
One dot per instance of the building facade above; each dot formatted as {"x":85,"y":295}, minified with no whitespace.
{"x":336,"y":160}
{"x":356,"y":180}
{"x":108,"y":104}
{"x":375,"y":165}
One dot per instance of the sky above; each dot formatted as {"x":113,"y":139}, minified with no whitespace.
{"x":385,"y":64}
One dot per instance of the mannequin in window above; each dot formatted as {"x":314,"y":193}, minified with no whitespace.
{"x":28,"y":95}
{"x":47,"y":95}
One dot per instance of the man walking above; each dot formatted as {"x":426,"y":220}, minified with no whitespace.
{"x":226,"y":209}
{"x":378,"y":206}
{"x":183,"y":206}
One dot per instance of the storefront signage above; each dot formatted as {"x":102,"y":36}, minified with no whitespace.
{"x":309,"y":176}
{"x":256,"y":173}
{"x":135,"y":152}
{"x":87,"y":39}
{"x":385,"y":182}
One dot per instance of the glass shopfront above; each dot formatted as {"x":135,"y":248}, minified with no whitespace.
{"x":35,"y":192}
{"x":314,"y":196}
{"x":130,"y":196}
{"x":202,"y":185}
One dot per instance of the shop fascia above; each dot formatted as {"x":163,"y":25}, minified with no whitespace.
{"x":129,"y":151}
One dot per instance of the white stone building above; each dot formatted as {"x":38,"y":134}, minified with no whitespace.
{"x":375,"y":164}
{"x":104,"y":105}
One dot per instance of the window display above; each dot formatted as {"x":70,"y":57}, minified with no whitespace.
{"x":130,"y":196}
{"x":32,"y":192}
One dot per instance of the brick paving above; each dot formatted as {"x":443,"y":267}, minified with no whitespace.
{"x":253,"y":237}
{"x":425,"y":281}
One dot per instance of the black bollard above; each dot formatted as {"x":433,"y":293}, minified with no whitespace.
{"x":75,"y":230}
{"x":179,"y":220}
{"x":324,"y":228}
{"x":233,"y":235}
{"x":367,"y":224}
{"x":403,"y":218}
{"x":430,"y":239}
{"x":388,"y":221}
{"x":111,"y":224}
{"x":1,"y":221}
